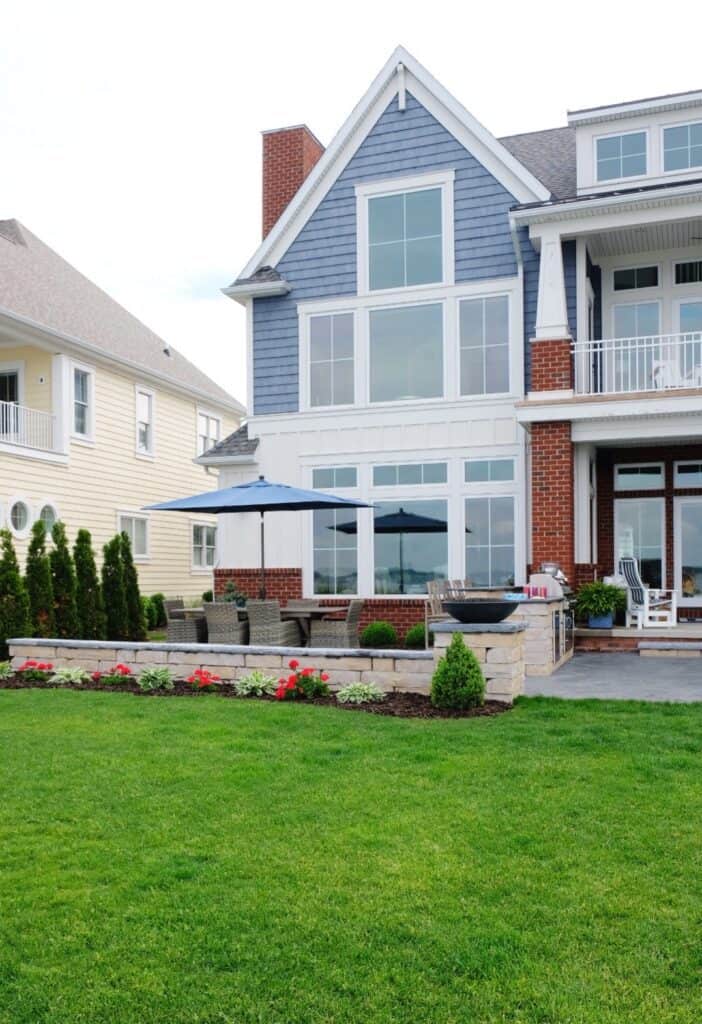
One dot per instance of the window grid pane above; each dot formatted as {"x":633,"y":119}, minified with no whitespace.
{"x":135,"y":528}
{"x":81,"y":392}
{"x":410,"y":473}
{"x":488,"y":470}
{"x":688,"y":474}
{"x":621,"y":156}
{"x":410,"y":542}
{"x":405,"y":239}
{"x":331,"y":360}
{"x":484,"y":344}
{"x":406,"y":353}
{"x":682,"y":146}
{"x":334,"y":477}
{"x":490,"y":542}
{"x":335,"y":568}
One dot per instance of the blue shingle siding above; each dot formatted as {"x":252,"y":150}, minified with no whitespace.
{"x":321,"y":262}
{"x":531,"y":260}
{"x":570,"y":286}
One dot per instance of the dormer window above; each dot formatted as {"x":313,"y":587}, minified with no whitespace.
{"x":621,"y":156}
{"x":682,"y":147}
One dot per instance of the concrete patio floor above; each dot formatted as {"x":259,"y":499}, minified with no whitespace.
{"x":622,"y":676}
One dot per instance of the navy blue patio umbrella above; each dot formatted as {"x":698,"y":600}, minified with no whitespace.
{"x":257,"y":496}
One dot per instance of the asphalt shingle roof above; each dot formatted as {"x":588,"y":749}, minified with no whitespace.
{"x":238,"y":443}
{"x":38,"y":285}
{"x":550,"y":156}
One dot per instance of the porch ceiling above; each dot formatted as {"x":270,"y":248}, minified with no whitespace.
{"x":678,"y":234}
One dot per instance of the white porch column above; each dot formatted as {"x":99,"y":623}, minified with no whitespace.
{"x":551,"y":310}
{"x":582,"y":505}
{"x":61,"y":401}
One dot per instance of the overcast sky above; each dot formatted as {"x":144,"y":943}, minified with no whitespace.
{"x":129,"y":132}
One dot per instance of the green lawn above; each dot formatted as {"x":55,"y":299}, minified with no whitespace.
{"x":216,"y":861}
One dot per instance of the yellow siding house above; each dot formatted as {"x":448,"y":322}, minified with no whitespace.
{"x":100,"y":417}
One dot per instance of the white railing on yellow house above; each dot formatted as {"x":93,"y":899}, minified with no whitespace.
{"x":623,"y":366}
{"x":28,"y":428}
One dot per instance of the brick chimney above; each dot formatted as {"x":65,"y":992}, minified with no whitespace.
{"x":289,"y":154}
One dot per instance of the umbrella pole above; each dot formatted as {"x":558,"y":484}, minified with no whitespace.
{"x":262,"y":587}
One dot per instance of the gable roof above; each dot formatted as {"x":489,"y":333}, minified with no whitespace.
{"x":238,"y":445}
{"x":401,"y":72}
{"x":550,"y":156}
{"x":41,"y":289}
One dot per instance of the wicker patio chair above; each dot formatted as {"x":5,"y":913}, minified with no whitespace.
{"x":299,"y":604}
{"x":175,"y":608}
{"x":223,"y":623}
{"x":338,"y":632}
{"x":186,"y":631}
{"x":437,"y":592}
{"x":267,"y":628}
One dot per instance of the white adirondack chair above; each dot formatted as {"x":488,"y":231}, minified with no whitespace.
{"x":646,"y":606}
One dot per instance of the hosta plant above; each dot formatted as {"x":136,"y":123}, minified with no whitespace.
{"x":302,"y":683}
{"x":66,"y":676}
{"x":36,"y":671}
{"x":202,"y":679}
{"x":256,"y":684}
{"x":117,"y":674}
{"x":159,"y":677}
{"x":359,"y":693}
{"x":6,"y":670}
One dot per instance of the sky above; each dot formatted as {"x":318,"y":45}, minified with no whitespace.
{"x":130,"y":132}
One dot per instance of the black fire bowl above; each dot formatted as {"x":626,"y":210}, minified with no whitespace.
{"x":479,"y":609}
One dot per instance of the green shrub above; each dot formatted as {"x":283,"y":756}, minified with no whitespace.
{"x":63,"y":581}
{"x":458,"y":680}
{"x":14,"y":603}
{"x":379,"y":634}
{"x":113,"y":595}
{"x":157,"y":678}
{"x":598,"y":598}
{"x":207,"y":597}
{"x":233,"y":594}
{"x":416,"y":636}
{"x":158,"y":604}
{"x":63,"y":676}
{"x":89,"y":604}
{"x":38,"y":583}
{"x":136,"y":625}
{"x":6,"y":670}
{"x":256,"y":684}
{"x":359,"y":693}
{"x":148,"y":612}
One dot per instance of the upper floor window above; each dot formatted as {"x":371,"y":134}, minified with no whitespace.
{"x":621,"y":156}
{"x":82,"y":401}
{"x":682,"y":147}
{"x":406,"y":353}
{"x":689,"y":272}
{"x":480,"y":471}
{"x":635,"y":277}
{"x":410,"y":473}
{"x":331,"y":359}
{"x":136,"y":528}
{"x":209,"y":431}
{"x":484,"y":340}
{"x":639,"y":477}
{"x":404,"y":239}
{"x":144,"y":421}
{"x":328,"y":477}
{"x":688,"y":474}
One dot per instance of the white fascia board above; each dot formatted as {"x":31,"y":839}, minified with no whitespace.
{"x":608,"y":409}
{"x":625,"y":203}
{"x":447,"y":110}
{"x":256,"y":290}
{"x":597,"y":115}
{"x":225,"y":460}
{"x":46,"y":337}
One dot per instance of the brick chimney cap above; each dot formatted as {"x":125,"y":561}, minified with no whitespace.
{"x":292,"y":128}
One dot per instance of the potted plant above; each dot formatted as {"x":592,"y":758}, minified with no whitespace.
{"x":598,"y":601}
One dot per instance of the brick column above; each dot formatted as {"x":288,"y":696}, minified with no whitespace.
{"x":552,"y":502}
{"x":551,"y":365}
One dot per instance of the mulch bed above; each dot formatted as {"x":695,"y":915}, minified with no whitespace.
{"x":396,"y":704}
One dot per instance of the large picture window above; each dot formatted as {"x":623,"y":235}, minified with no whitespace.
{"x":639,"y":531}
{"x":490,"y":541}
{"x":405,"y":239}
{"x":484,"y":340}
{"x":406,"y":353}
{"x":331,"y":360}
{"x":410,"y":543}
{"x":335,"y":551}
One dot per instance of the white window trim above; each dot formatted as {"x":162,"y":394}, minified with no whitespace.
{"x":201,"y":410}
{"x":305,"y":362}
{"x":89,"y":437}
{"x":202,"y":570}
{"x":13,"y":500}
{"x":678,"y":502}
{"x":653,"y":288}
{"x":685,"y":462}
{"x":16,"y":366}
{"x":680,"y":170}
{"x":637,"y":465}
{"x":621,"y":134}
{"x":136,"y":514}
{"x":141,"y":452}
{"x":661,"y":505}
{"x":411,"y":183}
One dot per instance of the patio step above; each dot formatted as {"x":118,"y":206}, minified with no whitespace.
{"x":670,"y":648}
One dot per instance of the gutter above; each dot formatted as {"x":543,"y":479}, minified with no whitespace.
{"x":595,"y":204}
{"x":256,"y":290}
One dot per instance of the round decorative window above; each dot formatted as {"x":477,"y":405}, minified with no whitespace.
{"x":48,"y":516}
{"x":19,"y":516}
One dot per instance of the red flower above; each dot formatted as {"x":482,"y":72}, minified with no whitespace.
{"x":291,"y":684}
{"x":307,"y":672}
{"x":293,"y":664}
{"x":280,"y":693}
{"x":324,"y":677}
{"x":96,"y":677}
{"x":293,"y":680}
{"x":30,"y":664}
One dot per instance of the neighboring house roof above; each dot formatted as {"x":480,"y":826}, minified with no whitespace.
{"x":550,"y":156}
{"x":39,"y":287}
{"x":236,"y":445}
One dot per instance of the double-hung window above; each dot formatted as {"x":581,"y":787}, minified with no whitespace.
{"x":204,"y":543}
{"x":331,"y":359}
{"x":682,"y":146}
{"x":137,"y":529}
{"x":82,"y":401}
{"x":405,"y":239}
{"x":208,"y":431}
{"x":621,"y":156}
{"x":144,"y":421}
{"x":406,"y":353}
{"x":484,"y":344}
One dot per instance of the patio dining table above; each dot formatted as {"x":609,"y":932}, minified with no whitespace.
{"x":304,"y":616}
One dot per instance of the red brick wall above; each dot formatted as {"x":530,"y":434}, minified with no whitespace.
{"x":606,"y":459}
{"x":551,"y":365}
{"x":552,"y":529}
{"x":288,"y":157}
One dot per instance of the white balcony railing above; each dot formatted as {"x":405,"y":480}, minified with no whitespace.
{"x":29,"y":428}
{"x":622,"y":366}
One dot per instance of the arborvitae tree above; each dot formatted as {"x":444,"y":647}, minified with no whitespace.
{"x":63,"y":579}
{"x":458,"y":680}
{"x":136,"y":626}
{"x":91,"y":611}
{"x":14,"y":603}
{"x":113,"y":595}
{"x":39,"y":586}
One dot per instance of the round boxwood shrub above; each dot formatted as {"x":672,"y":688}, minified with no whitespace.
{"x":458,"y":680}
{"x":416,"y":637}
{"x":379,"y":634}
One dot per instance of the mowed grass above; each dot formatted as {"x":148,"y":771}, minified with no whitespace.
{"x":218,"y":861}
